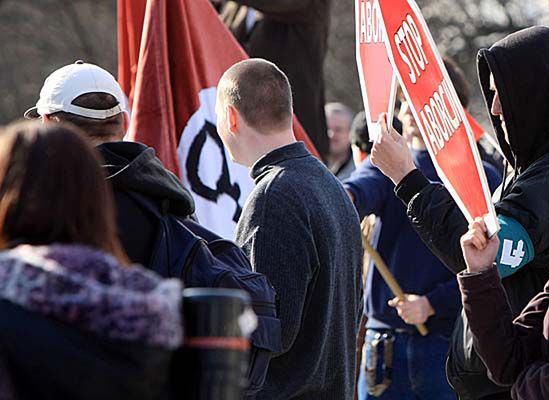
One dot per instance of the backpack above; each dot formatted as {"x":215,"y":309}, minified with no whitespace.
{"x":186,"y":250}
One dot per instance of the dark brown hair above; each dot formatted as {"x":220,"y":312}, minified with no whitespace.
{"x":458,"y":79}
{"x":52,"y":189}
{"x":261,"y":92}
{"x":102,"y":129}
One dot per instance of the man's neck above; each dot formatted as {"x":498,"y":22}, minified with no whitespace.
{"x":264,"y":144}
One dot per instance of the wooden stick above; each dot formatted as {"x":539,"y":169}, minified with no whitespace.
{"x":389,"y":278}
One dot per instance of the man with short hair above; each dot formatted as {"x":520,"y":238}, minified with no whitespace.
{"x":90,"y":98}
{"x":299,"y":228}
{"x":339,"y":160}
{"x":294,"y":35}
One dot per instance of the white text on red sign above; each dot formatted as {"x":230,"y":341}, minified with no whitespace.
{"x":410,"y":47}
{"x":438,"y":121}
{"x":371,"y":30}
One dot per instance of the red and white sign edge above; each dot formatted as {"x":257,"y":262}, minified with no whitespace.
{"x":371,"y":120}
{"x":490,"y":219}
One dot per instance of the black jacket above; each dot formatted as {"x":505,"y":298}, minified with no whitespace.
{"x":520,"y":65}
{"x":133,"y":167}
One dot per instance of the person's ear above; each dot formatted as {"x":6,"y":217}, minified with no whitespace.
{"x":232,"y":120}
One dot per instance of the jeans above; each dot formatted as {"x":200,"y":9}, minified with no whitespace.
{"x":418,"y":368}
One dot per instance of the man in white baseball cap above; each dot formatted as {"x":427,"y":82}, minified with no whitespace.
{"x":87,"y":96}
{"x":90,"y":98}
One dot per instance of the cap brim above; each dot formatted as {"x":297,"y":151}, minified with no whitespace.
{"x":31,"y":113}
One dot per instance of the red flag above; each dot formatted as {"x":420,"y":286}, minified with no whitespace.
{"x":184,"y":50}
{"x":130,"y":25}
{"x":478,"y":131}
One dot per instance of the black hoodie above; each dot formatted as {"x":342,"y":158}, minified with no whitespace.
{"x":520,"y":65}
{"x":133,"y":167}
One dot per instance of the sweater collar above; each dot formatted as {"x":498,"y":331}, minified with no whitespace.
{"x":277,"y":156}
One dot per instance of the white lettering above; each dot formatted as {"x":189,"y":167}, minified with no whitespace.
{"x":362,"y":13}
{"x":413,"y":53}
{"x":435,"y":127}
{"x":456,"y":118}
{"x":432,"y":139}
{"x":439,"y":124}
{"x":371,"y":30}
{"x":403,"y":56}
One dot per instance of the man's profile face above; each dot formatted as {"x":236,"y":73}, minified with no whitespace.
{"x":339,"y":127}
{"x":496,"y":108}
{"x":221,"y":114}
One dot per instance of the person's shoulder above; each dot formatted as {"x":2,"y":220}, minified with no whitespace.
{"x":273,"y":190}
{"x":369,"y":172}
{"x":538,"y":169}
{"x":492,"y":175}
{"x":533,"y":177}
{"x":367,"y":168}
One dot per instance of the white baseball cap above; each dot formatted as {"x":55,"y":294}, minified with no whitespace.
{"x":64,"y":85}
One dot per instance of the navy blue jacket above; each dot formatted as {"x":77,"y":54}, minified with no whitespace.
{"x":416,"y":269}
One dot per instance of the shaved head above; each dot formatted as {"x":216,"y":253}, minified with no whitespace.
{"x":260,"y":92}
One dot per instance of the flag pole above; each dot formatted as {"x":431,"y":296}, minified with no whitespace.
{"x":389,"y":278}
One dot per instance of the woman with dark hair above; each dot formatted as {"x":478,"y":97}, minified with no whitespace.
{"x":76,"y":322}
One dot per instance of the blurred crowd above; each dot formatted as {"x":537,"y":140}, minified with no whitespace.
{"x":98,"y":240}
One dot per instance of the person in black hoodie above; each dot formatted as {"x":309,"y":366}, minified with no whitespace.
{"x":514,"y":77}
{"x":89,"y":97}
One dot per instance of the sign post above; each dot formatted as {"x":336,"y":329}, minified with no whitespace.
{"x":436,"y":108}
{"x":377,"y":80}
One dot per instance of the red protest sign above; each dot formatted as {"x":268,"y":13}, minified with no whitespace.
{"x":377,"y":80}
{"x":436,"y":108}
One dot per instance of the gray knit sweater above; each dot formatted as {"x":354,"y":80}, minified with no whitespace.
{"x":300,"y":229}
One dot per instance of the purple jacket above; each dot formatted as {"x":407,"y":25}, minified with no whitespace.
{"x":71,"y":316}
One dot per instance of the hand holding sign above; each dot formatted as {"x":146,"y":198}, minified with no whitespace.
{"x":436,"y":109}
{"x":479,"y":251}
{"x":391,"y":153}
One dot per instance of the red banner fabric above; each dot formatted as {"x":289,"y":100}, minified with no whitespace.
{"x":184,"y":48}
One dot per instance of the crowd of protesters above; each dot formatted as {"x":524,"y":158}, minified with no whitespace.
{"x":87,"y":313}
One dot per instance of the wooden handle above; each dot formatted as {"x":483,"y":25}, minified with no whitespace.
{"x":389,"y":278}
